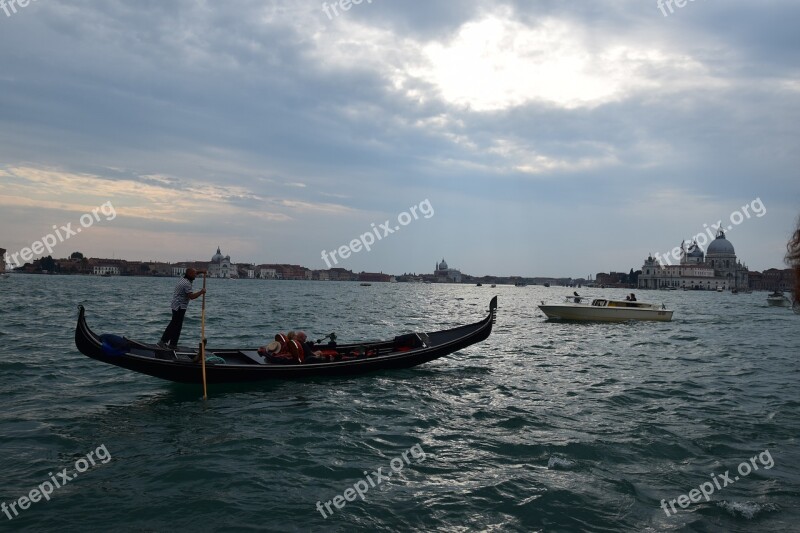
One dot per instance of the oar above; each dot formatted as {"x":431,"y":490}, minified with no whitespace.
{"x":203,"y":339}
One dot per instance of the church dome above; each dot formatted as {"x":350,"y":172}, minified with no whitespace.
{"x":217,"y":256}
{"x":721,"y":246}
{"x":443,"y":265}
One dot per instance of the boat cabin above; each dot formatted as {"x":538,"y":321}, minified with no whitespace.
{"x":619,"y":303}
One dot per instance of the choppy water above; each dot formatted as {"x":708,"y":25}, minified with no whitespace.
{"x":543,"y":427}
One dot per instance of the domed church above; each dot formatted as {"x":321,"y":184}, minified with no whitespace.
{"x":221,"y":267}
{"x":445,"y":274}
{"x":717,"y":268}
{"x":722,"y":257}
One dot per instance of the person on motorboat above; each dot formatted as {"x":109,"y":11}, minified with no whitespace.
{"x":630,"y":298}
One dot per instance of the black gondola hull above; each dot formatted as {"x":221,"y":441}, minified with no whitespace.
{"x":441,"y":343}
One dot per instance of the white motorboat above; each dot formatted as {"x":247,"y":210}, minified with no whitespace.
{"x":778,"y":299}
{"x":605,"y":310}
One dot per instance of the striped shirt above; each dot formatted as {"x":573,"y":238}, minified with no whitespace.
{"x":180,"y":298}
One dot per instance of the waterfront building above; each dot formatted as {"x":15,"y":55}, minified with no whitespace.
{"x":160,"y":269}
{"x":773,"y":279}
{"x":445,"y":274}
{"x":106,"y":270}
{"x":340,"y":274}
{"x":267,"y":273}
{"x":717,"y":268}
{"x":221,"y":267}
{"x":612,"y":279}
{"x":374,"y":277}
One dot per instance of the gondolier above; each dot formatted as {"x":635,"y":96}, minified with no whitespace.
{"x":180,"y":302}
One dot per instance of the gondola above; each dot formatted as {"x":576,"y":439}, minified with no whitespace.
{"x":246,"y":365}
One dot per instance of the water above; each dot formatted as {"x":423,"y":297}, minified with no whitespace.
{"x":543,"y":427}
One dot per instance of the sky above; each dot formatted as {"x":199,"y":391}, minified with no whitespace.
{"x":533,"y":138}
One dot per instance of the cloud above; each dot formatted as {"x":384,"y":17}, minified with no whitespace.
{"x":272,"y":127}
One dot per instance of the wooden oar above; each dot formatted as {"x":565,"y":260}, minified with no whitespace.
{"x":203,"y":339}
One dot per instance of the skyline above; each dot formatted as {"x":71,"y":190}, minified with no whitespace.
{"x":548,"y":140}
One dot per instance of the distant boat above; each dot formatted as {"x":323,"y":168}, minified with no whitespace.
{"x":602,"y":310}
{"x":494,"y":285}
{"x":4,"y":276}
{"x":778,"y":299}
{"x":479,"y":284}
{"x":719,"y":289}
{"x":519,"y":284}
{"x":366,"y":284}
{"x":546,"y":284}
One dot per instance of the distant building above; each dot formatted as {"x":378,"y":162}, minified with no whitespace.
{"x":373,"y":277}
{"x":119,"y":266}
{"x":221,"y":267}
{"x":717,"y":268}
{"x":341,"y":274}
{"x":612,"y":279}
{"x":267,"y":273}
{"x":106,"y":270}
{"x":445,"y":274}
{"x":772,"y":279}
{"x":179,"y":269}
{"x":160,"y":269}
